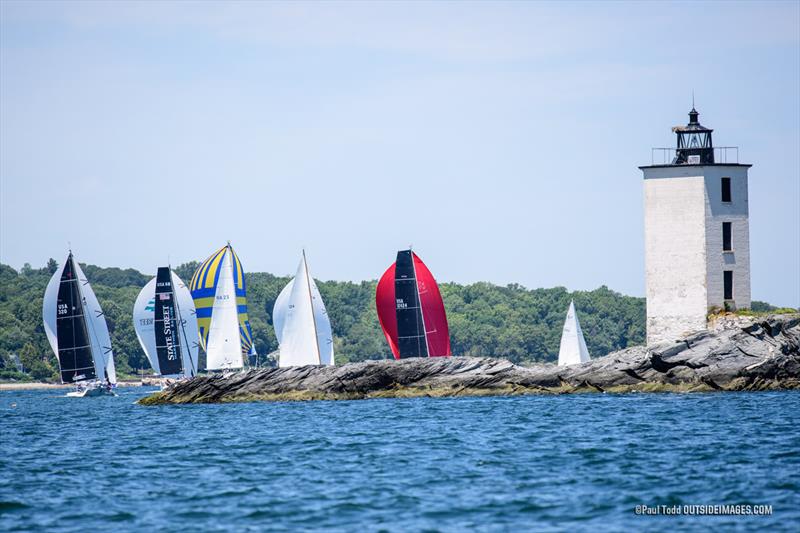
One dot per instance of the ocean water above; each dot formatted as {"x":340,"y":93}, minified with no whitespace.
{"x":544,"y":463}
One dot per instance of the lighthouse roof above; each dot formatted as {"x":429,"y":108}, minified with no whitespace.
{"x":693,"y":125}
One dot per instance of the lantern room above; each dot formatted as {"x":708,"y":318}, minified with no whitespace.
{"x":694,"y":143}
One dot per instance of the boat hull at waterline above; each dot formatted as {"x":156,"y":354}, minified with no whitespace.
{"x":92,"y":392}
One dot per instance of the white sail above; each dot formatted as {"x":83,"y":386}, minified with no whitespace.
{"x":301,"y":322}
{"x":279,"y":310}
{"x":573,"y":346}
{"x":190,"y":338}
{"x":143,"y":322}
{"x":224,"y":347}
{"x":324,"y":331}
{"x":98,"y":330}
{"x":49,"y":308}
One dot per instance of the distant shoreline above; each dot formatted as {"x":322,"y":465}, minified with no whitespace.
{"x":40,"y":385}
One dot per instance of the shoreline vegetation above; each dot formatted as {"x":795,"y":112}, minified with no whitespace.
{"x":509,"y":322}
{"x":512,"y":321}
{"x":763,"y":354}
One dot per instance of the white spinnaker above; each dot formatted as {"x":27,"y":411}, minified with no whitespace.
{"x":49,"y":308}
{"x":98,"y":330}
{"x":144,"y":322}
{"x":224,"y":349}
{"x":573,"y":346}
{"x":301,"y":323}
{"x":279,"y":310}
{"x":189,"y":335}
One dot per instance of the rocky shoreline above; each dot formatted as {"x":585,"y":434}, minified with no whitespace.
{"x":762,"y":354}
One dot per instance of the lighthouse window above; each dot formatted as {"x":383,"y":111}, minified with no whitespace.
{"x":728,"y":282}
{"x":726,"y":189}
{"x":726,"y":237}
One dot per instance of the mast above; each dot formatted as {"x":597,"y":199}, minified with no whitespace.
{"x":311,"y":302}
{"x":419,"y":302}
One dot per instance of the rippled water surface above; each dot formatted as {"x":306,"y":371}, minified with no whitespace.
{"x":494,"y":464}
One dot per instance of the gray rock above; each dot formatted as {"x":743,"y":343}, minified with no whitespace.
{"x":764,"y":354}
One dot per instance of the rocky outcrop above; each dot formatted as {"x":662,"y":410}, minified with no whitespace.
{"x":762,"y":355}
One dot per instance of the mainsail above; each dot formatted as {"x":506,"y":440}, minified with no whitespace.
{"x":219,"y":292}
{"x":301,"y":322}
{"x":573,"y":346}
{"x":411,"y":310}
{"x":165,"y":321}
{"x":76,"y":327}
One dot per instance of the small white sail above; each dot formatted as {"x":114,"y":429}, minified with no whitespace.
{"x":301,"y":322}
{"x":144,"y":324}
{"x":573,"y":346}
{"x":224,"y":348}
{"x":98,"y":331}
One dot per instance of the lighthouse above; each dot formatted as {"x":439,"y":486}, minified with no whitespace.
{"x":697,"y":238}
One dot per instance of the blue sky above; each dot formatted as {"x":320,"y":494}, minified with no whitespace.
{"x":502,"y":140}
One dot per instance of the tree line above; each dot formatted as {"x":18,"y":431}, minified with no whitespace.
{"x":520,"y":324}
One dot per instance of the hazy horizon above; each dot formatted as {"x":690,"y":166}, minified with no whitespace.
{"x":502,"y":140}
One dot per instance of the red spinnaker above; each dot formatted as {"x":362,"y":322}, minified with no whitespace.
{"x":386,"y":305}
{"x":437,"y":333}
{"x":433,"y":314}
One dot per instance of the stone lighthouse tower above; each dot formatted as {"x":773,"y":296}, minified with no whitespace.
{"x":697,"y":237}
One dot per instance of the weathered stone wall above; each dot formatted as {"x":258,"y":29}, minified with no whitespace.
{"x":675,"y":252}
{"x":684,"y":258}
{"x":736,"y":212}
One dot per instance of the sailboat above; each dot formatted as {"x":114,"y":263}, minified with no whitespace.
{"x":219,"y":293}
{"x":411,"y":310}
{"x":165,"y":321}
{"x":573,"y":346}
{"x":301,"y":322}
{"x":77,"y":331}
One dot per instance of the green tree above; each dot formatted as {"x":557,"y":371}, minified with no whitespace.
{"x":509,"y":321}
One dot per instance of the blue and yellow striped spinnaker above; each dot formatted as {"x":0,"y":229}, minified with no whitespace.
{"x":204,"y":288}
